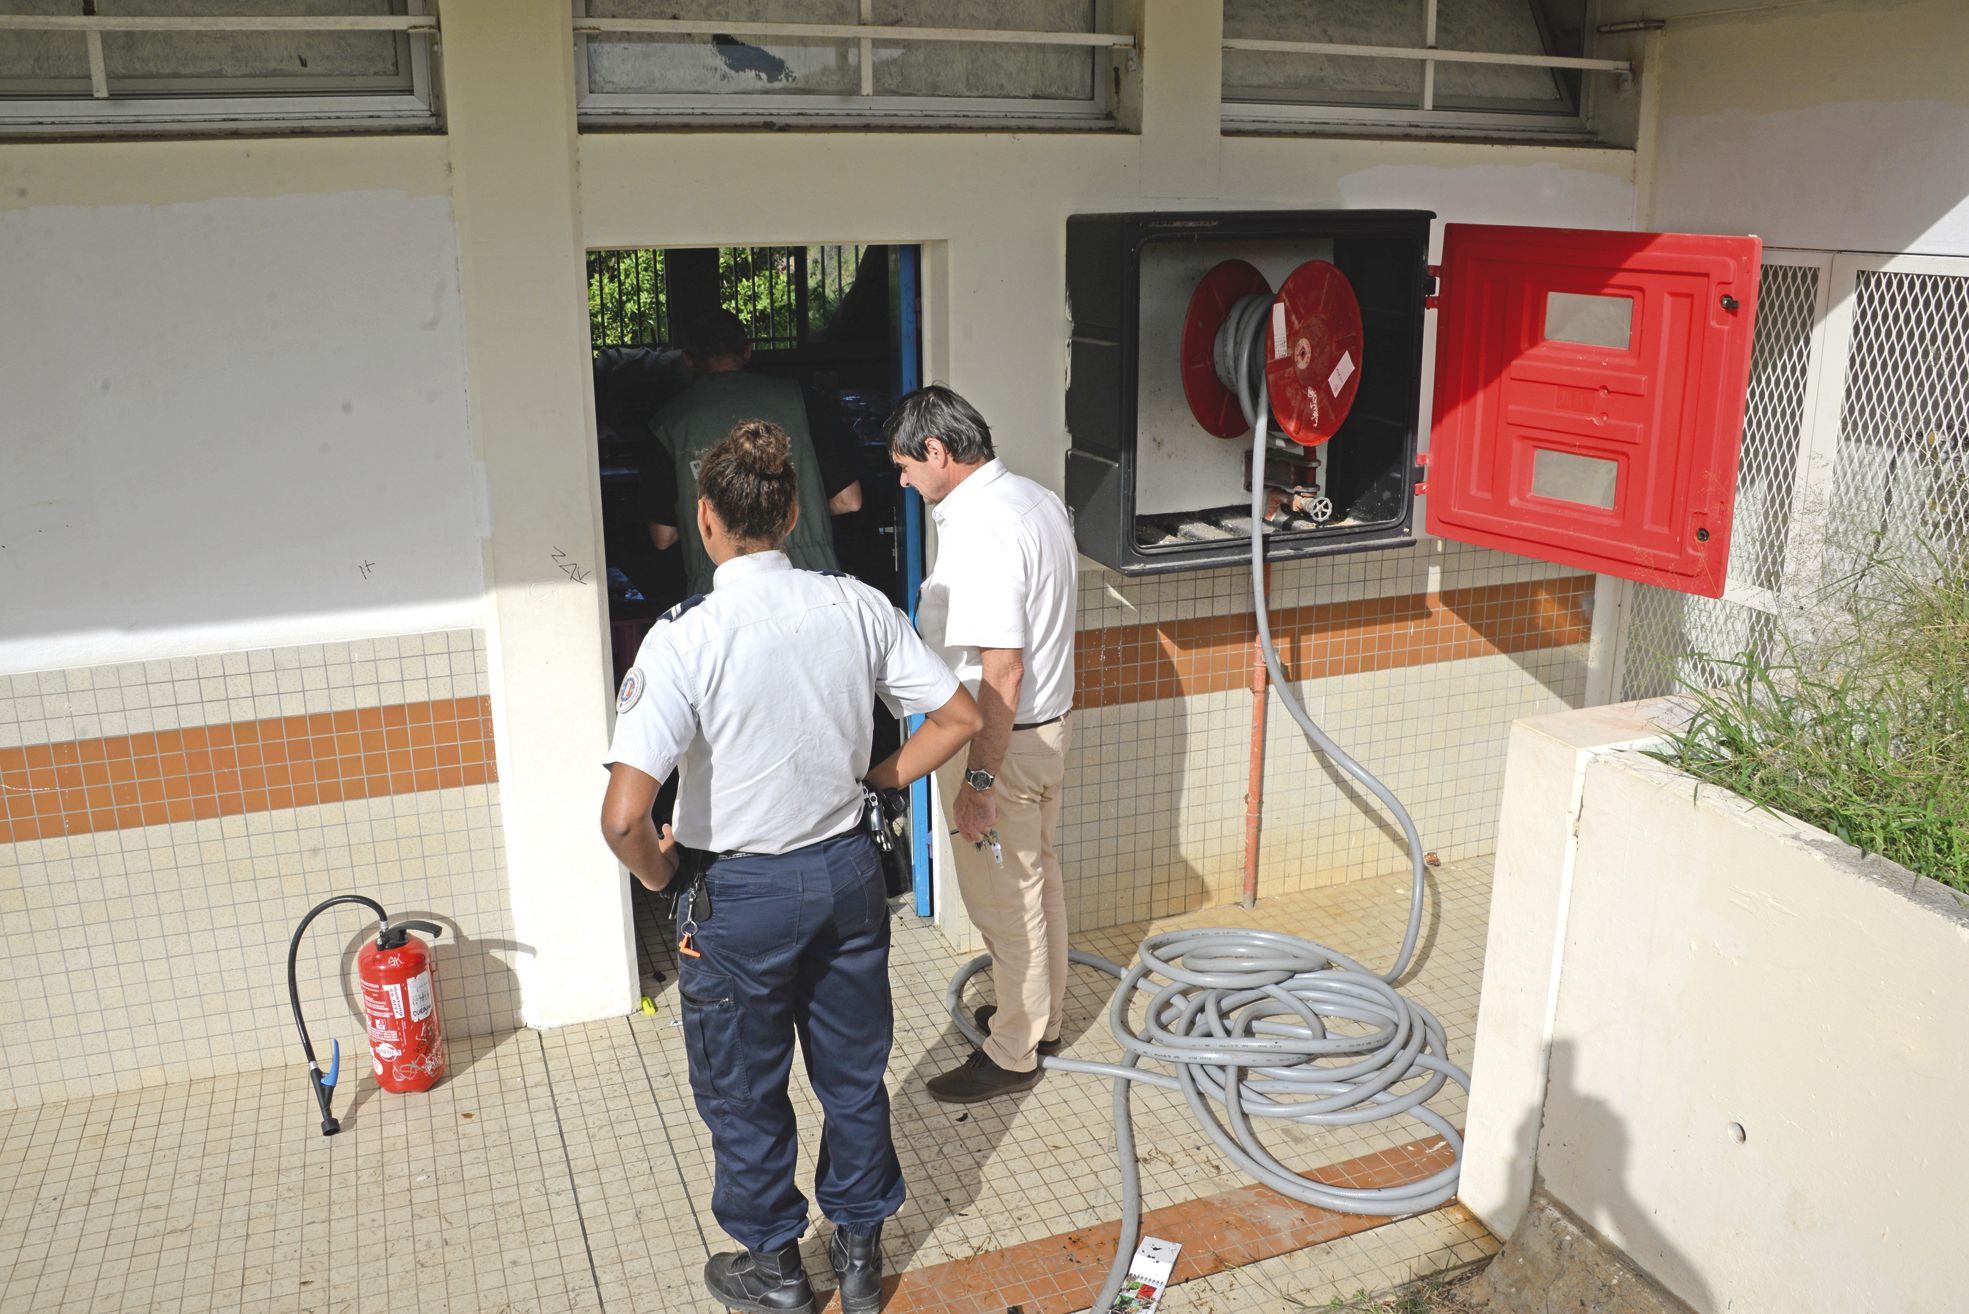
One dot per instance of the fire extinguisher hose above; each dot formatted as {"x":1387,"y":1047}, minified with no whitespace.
{"x":1243,"y":1016}
{"x":322,"y":1086}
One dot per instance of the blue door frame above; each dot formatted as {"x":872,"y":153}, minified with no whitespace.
{"x":909,"y":375}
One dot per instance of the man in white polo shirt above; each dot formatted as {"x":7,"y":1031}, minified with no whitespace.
{"x":999,"y":607}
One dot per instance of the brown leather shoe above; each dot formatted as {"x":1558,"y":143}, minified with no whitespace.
{"x":982,"y":1020}
{"x":978,"y":1079}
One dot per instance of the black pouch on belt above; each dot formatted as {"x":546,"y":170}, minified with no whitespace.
{"x":883,"y":812}
{"x":688,"y":882}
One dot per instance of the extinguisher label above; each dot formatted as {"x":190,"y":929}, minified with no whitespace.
{"x":420,"y":996}
{"x":396,"y":999}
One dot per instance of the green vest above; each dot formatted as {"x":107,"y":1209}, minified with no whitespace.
{"x":699,"y":419}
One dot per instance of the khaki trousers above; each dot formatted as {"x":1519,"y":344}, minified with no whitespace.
{"x":1019,"y":908}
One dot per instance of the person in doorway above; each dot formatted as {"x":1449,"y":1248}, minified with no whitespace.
{"x":784,"y":926}
{"x":722,"y":394}
{"x":999,"y":606}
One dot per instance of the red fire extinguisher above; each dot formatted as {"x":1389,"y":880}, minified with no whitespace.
{"x":399,"y":1003}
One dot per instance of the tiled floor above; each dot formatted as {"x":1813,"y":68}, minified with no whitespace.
{"x":566,"y":1170}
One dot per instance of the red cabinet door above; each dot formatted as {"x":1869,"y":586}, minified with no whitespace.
{"x":1589,"y":397}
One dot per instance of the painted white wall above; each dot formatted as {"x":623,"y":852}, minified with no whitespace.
{"x":526,"y":194}
{"x":1720,"y":969}
{"x":232,"y":422}
{"x":1531,"y":893}
{"x":1840,"y":126}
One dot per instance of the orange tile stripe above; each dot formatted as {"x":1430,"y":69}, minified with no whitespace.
{"x":1058,"y":1274}
{"x":1177,"y":659}
{"x":194,"y":774}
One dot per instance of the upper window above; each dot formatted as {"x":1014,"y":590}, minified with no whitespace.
{"x":844,"y":61}
{"x":69,"y":65}
{"x":1493,"y":67}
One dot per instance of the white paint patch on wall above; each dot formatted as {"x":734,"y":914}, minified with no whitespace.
{"x":1841,"y":125}
{"x":1546,"y":194}
{"x":1868,"y":176}
{"x":231,"y":424}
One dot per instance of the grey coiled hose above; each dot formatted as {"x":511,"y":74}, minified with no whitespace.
{"x":1241,"y":1017}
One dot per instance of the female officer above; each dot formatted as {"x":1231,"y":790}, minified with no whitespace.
{"x":759,"y":694}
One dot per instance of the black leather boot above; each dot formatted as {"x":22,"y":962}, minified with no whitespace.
{"x":857,"y":1259}
{"x":761,"y":1281}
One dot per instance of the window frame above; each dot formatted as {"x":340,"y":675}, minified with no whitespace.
{"x":1426,"y":119}
{"x":763,"y":110}
{"x":169,"y":105}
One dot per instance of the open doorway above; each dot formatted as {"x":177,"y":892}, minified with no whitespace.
{"x":839,"y":320}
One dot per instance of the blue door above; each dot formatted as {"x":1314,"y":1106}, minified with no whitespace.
{"x":909,"y":375}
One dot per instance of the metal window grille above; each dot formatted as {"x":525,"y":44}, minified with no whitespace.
{"x":766,"y":287}
{"x":626,"y":304}
{"x":830,"y":273}
{"x":784,"y":294}
{"x":1415,"y":66}
{"x":1025,"y":62}
{"x":1856,"y":449}
{"x":148,"y":65}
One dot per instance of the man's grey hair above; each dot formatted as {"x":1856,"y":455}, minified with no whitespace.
{"x":937,"y":412}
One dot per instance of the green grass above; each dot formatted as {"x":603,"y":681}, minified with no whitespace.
{"x":1438,"y":1295}
{"x":1859,"y":722}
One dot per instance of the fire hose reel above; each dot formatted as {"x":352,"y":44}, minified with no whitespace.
{"x":1588,"y":389}
{"x":1303,"y":345}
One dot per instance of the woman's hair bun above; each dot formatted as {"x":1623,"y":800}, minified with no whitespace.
{"x":762,"y":446}
{"x":749,"y":481}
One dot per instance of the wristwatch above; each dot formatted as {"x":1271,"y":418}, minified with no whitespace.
{"x":980,"y":779}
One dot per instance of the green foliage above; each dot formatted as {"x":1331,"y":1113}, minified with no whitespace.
{"x":1858,"y":723}
{"x":761,"y":285}
{"x":1437,"y":1295}
{"x":626,"y":298}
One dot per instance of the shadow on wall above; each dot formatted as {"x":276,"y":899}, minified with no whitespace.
{"x":1554,"y":613}
{"x":1128,"y":794}
{"x":1571,"y":1122}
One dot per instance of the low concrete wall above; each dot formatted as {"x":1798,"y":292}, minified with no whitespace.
{"x":1726,"y":1041}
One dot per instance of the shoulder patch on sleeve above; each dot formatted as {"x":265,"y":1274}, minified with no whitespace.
{"x":632,"y":689}
{"x":681,"y":608}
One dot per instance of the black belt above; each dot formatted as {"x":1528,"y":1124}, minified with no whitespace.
{"x":716,"y":856}
{"x":1041,"y":725}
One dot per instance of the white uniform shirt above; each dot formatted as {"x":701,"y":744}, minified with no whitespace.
{"x":1006,"y":576}
{"x":760,"y":693}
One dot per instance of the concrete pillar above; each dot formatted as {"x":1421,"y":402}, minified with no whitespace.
{"x":509,"y":91}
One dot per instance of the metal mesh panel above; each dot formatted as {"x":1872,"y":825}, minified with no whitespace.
{"x":1673,"y":640}
{"x":1902,"y":477}
{"x":1773,"y":424}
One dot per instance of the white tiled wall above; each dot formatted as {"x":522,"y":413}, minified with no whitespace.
{"x":159,"y":953}
{"x":138,"y":697}
{"x":1154,"y":819}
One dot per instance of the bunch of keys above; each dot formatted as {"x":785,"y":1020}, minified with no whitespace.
{"x":991,"y":839}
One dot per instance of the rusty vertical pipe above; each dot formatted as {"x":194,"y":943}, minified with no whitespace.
{"x":1254,"y":791}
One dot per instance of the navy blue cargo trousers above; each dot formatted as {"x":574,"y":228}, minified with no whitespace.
{"x":796,"y":944}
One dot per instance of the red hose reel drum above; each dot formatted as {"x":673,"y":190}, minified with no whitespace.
{"x":1211,"y":397}
{"x":1310,"y":343}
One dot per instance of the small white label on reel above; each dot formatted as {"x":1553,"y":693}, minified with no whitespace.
{"x":1278,"y":330}
{"x":1341,"y":373}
